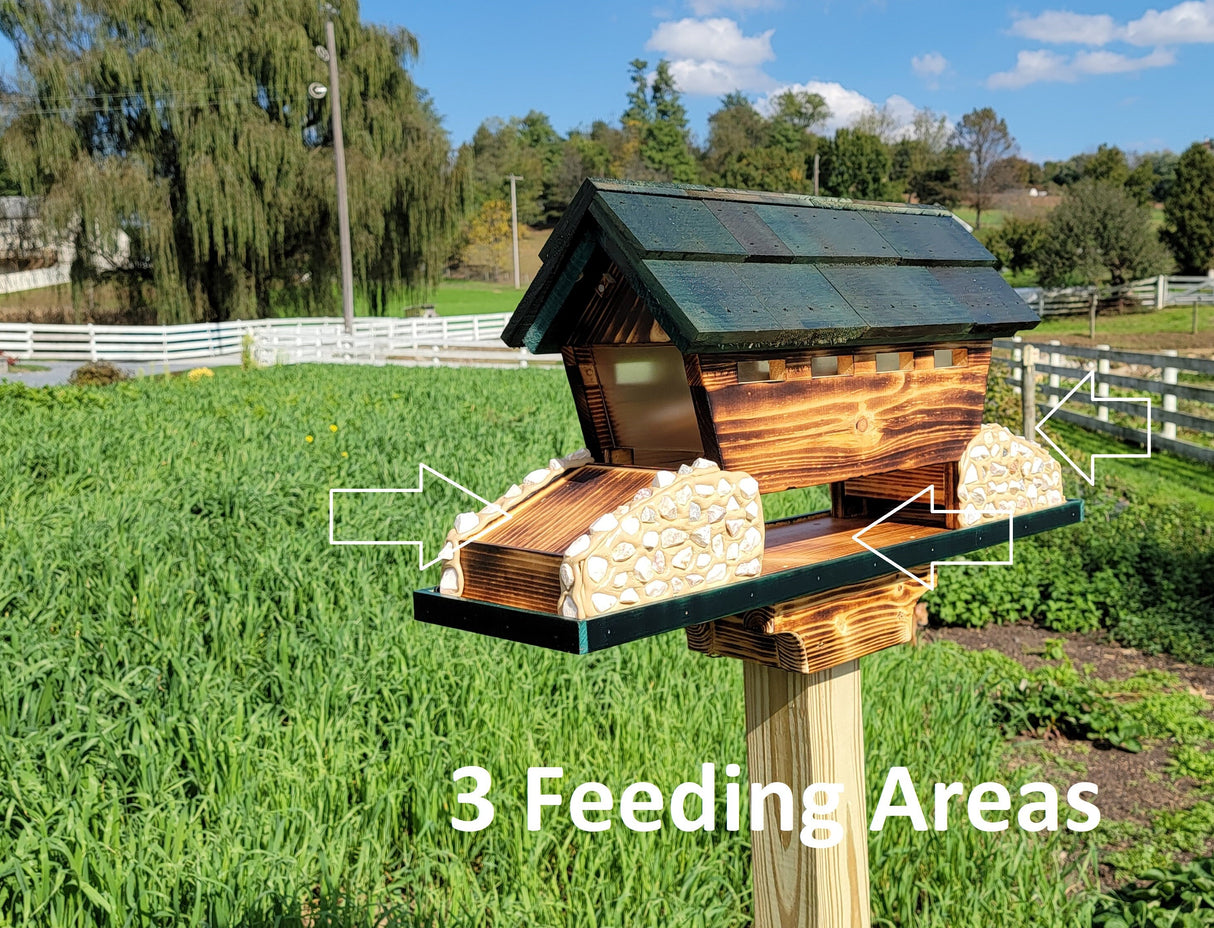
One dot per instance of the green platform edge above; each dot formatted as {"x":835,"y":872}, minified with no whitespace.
{"x":583,"y":636}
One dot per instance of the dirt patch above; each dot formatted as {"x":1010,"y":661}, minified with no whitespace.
{"x":1025,"y":642}
{"x":1200,"y":344}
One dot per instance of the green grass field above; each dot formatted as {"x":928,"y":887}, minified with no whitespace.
{"x":465,"y":297}
{"x":1134,"y":326}
{"x":210,"y":715}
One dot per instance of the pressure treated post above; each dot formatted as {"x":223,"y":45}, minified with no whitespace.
{"x":803,"y":729}
{"x":1028,"y":391}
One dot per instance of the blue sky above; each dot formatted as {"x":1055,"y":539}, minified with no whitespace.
{"x":1066,"y":77}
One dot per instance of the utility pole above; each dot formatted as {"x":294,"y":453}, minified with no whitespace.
{"x":815,"y":174}
{"x":514,"y":224}
{"x":343,"y":206}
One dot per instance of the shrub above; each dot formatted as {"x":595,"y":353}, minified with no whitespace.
{"x":97,"y":374}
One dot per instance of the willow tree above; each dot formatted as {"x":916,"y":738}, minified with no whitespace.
{"x":188,"y":128}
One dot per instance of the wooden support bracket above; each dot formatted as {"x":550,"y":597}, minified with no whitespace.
{"x":816,"y":632}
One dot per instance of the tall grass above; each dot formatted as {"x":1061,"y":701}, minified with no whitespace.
{"x":209,"y":714}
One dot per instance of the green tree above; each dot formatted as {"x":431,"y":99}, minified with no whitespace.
{"x":664,"y":145}
{"x":188,"y":127}
{"x":1188,"y":211}
{"x":1108,"y":165}
{"x":1140,"y":183}
{"x":1020,"y":241}
{"x":855,"y":164}
{"x":986,"y":140}
{"x":1098,"y":234}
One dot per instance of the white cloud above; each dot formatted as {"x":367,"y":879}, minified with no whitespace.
{"x":711,"y":40}
{"x":929,"y":68}
{"x":1191,"y":21}
{"x":708,"y":7}
{"x":1040,"y":66}
{"x":846,"y":106}
{"x":1184,"y":23}
{"x":1061,"y":26}
{"x":713,"y":56}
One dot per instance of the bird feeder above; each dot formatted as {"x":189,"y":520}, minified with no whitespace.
{"x":721,"y":345}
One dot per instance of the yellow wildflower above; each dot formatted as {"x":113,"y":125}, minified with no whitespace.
{"x":199,"y":372}
{"x":345,"y":454}
{"x":333,"y":428}
{"x":308,"y":439}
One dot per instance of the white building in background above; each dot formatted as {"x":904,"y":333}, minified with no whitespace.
{"x":30,"y":258}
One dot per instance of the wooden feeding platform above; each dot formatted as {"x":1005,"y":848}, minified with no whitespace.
{"x":721,"y":345}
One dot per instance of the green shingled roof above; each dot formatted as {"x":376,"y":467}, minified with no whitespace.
{"x":728,"y":270}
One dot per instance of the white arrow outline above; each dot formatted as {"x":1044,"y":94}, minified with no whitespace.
{"x":422,"y":563}
{"x":930,"y":583}
{"x":1091,"y":376}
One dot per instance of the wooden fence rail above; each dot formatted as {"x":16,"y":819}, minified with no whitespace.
{"x":1151,"y":293}
{"x":285,"y":341}
{"x":1061,"y":366}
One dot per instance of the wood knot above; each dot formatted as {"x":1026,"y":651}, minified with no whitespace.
{"x":862,"y":424}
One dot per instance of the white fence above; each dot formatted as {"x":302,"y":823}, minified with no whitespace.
{"x":18,"y":281}
{"x":1056,"y":367}
{"x":1151,"y":293}
{"x":284,"y":341}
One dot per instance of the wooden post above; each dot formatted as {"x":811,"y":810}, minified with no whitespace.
{"x":1055,"y":379}
{"x":1092,"y":316}
{"x":1102,"y":388}
{"x":1028,"y":391}
{"x":803,"y":729}
{"x":1169,"y":399}
{"x":1161,"y":292}
{"x":1195,"y":305}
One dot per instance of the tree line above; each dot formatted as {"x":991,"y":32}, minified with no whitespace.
{"x":177,"y":149}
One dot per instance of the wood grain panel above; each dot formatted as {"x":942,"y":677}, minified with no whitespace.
{"x":800,"y":730}
{"x":510,"y":577}
{"x":550,"y":520}
{"x":801,"y":433}
{"x":816,"y":632}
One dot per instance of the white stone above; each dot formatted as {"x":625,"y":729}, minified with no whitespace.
{"x":734,"y":527}
{"x":731,"y":553}
{"x":466,"y":522}
{"x":1000,"y":487}
{"x":579,"y":546}
{"x":535,"y":477}
{"x":605,"y":523}
{"x":723,"y":487}
{"x":704,"y":464}
{"x":682,"y":560}
{"x":655,"y":588}
{"x":971,"y":474}
{"x":650,"y":540}
{"x":555,"y":466}
{"x":703,"y":560}
{"x":596,"y":568}
{"x":978,"y":451}
{"x":619,"y":581}
{"x":716,"y":513}
{"x":623,"y":551}
{"x":693,"y":512}
{"x":749,"y":487}
{"x":752,"y":510}
{"x":603,"y":601}
{"x":581,"y":456}
{"x":449,"y":582}
{"x":704,"y":489}
{"x":997,"y":470}
{"x":672,"y":537}
{"x":717,"y":572}
{"x":682,"y":495}
{"x":621,"y":510}
{"x":648,"y":516}
{"x":515,"y":490}
{"x":751,"y":539}
{"x":979,"y":495}
{"x":629,"y":597}
{"x":733,"y":505}
{"x":695,"y":579}
{"x":970,"y":512}
{"x":663,"y":479}
{"x":668,"y":509}
{"x":659,"y":561}
{"x":684,"y":470}
{"x":1053,"y":498}
{"x":1031,"y":492}
{"x":1037,"y":465}
{"x":644,"y":569}
{"x":630,"y":524}
{"x":676,"y":585}
{"x":718,"y":546}
{"x":747,"y":568}
{"x":702,"y":536}
{"x":569,"y":608}
{"x":642,"y":494}
{"x":566,"y":575}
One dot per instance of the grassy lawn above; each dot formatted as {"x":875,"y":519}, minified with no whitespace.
{"x":466,"y":297}
{"x":1167,"y":328}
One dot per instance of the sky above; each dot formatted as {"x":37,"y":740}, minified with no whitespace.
{"x":1065,"y":77}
